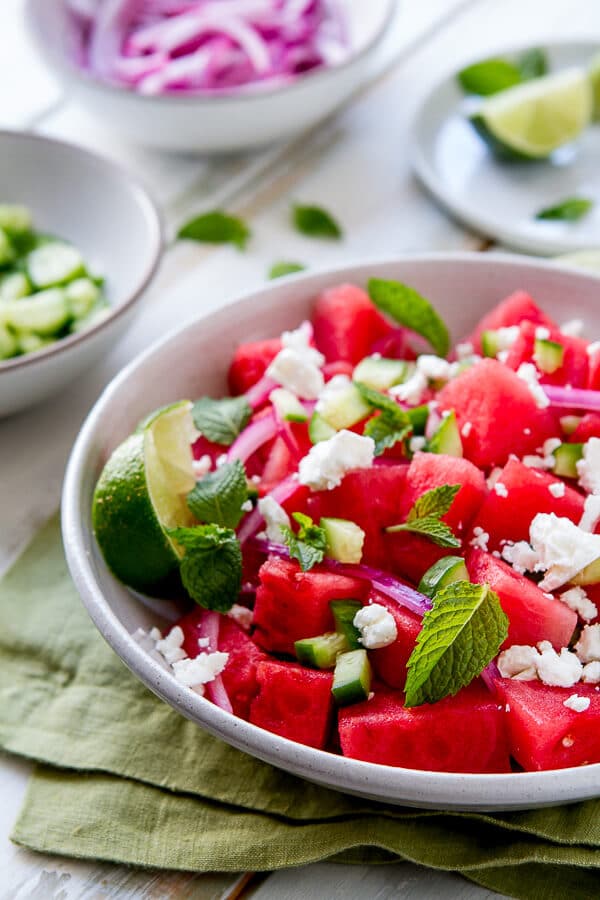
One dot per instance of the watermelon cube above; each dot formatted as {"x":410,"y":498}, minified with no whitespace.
{"x":506,"y":515}
{"x":250,"y":362}
{"x":533,"y":616}
{"x":292,"y":604}
{"x":589,"y":427}
{"x":389,"y":662}
{"x":594,"y":369}
{"x":497,"y":414}
{"x":465,"y":733}
{"x":346,"y":323}
{"x":293,"y":702}
{"x":544,"y":733}
{"x":516,"y":308}
{"x":574,"y":369}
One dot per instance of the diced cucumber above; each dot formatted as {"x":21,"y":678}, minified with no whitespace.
{"x":45,"y":313}
{"x":548,"y":355}
{"x":445,"y":571}
{"x":8,"y":343}
{"x":321,"y":652}
{"x":490,"y":343}
{"x":343,"y":614}
{"x":345,"y":539}
{"x":566,"y":458}
{"x":82,"y":295}
{"x":7,"y":251}
{"x":380,"y":373}
{"x":98,"y":314}
{"x":54,"y":263}
{"x":344,"y":408}
{"x":589,"y":575}
{"x":318,"y":429}
{"x":15,"y":219}
{"x":351,"y":678}
{"x":30,"y":342}
{"x":447,"y":437}
{"x":569,"y":423}
{"x":13,"y":286}
{"x":418,"y":416}
{"x":287,"y":406}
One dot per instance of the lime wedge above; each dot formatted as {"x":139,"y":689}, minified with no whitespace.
{"x":594,"y":76}
{"x":141,"y":493}
{"x":532,"y":120}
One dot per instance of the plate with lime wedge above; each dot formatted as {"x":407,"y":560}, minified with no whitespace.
{"x":510,"y":145}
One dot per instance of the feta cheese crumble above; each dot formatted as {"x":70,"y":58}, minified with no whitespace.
{"x":411,"y":391}
{"x":587,"y":647}
{"x":588,"y":468}
{"x":592,"y":348}
{"x":520,"y":556}
{"x":428,"y":367}
{"x":562,"y":669}
{"x":417,"y":442}
{"x":325,"y":465}
{"x":519,"y":662}
{"x":505,"y":337}
{"x":528,"y":373}
{"x":561,"y":550}
{"x":464,"y":350}
{"x":577,"y":600}
{"x":591,"y":672}
{"x":171,"y":646}
{"x":275,"y":518}
{"x":466,"y":429}
{"x":557,"y":489}
{"x":591,"y":513}
{"x":337,"y":385}
{"x":297,"y":366}
{"x":542,"y":333}
{"x":501,"y":489}
{"x":377,"y":626}
{"x":577,"y":703}
{"x":197,"y":672}
{"x":480,"y":538}
{"x":241,"y":615}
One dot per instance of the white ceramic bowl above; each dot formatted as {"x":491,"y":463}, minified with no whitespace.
{"x":215,"y":124}
{"x":84,"y":198}
{"x":193,"y":361}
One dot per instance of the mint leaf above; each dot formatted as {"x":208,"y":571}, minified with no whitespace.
{"x":425,"y":516}
{"x":461,"y":634}
{"x":216,"y":227}
{"x":211,"y":568}
{"x":570,"y":210}
{"x":532,"y":64}
{"x":314,"y":221}
{"x":406,"y":306}
{"x":279,"y":269}
{"x":489,"y":77}
{"x":388,"y":428}
{"x":436,"y":530}
{"x":308,"y":545}
{"x":221,"y":421}
{"x":218,"y":497}
{"x":381,"y":401}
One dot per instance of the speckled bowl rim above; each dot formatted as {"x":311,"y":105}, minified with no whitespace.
{"x":408,"y":787}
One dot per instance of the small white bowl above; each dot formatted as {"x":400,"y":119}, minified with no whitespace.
{"x":196,"y":124}
{"x":193,"y":361}
{"x":90,"y":201}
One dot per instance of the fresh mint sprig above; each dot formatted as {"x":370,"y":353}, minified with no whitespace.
{"x":279,"y":269}
{"x":218,"y":497}
{"x":216,"y":227}
{"x":391,"y":426}
{"x":494,"y":75}
{"x":461,"y":634}
{"x":211,"y":567}
{"x":221,"y":421}
{"x":425,"y":517}
{"x":407,"y":307}
{"x":315,"y":222}
{"x":308,"y":544}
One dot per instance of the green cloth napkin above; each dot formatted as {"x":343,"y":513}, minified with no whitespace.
{"x":123,"y":777}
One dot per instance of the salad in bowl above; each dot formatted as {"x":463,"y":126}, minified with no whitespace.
{"x":379,"y":544}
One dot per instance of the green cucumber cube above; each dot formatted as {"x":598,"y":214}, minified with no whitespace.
{"x":82,"y":295}
{"x":15,"y":219}
{"x":447,"y":438}
{"x":343,"y":408}
{"x":54,"y":263}
{"x":8,"y":343}
{"x":351,"y":678}
{"x":548,"y":355}
{"x":345,"y":539}
{"x":13,"y":286}
{"x":380,"y":373}
{"x":287,"y":406}
{"x":322,"y":651}
{"x":319,"y":430}
{"x":566,"y":458}
{"x":445,"y":571}
{"x":45,"y":313}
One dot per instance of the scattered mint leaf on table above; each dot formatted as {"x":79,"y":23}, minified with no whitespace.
{"x":308,"y":544}
{"x":425,"y":516}
{"x":391,"y":426}
{"x":211,"y":567}
{"x":218,"y":496}
{"x":570,"y":210}
{"x":221,"y":421}
{"x":461,"y":634}
{"x":314,"y":221}
{"x":216,"y":227}
{"x":407,"y":307}
{"x":279,"y":269}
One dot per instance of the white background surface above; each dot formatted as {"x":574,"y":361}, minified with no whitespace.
{"x":357,"y":166}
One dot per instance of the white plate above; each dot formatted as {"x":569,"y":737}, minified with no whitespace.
{"x":193,"y":361}
{"x":500,"y":199}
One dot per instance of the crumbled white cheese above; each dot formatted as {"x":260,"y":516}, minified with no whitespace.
{"x":299,"y":340}
{"x":537,"y":462}
{"x":520,"y":556}
{"x":592,"y":348}
{"x":246,"y":506}
{"x":328,"y":461}
{"x":221,"y":460}
{"x":171,"y":646}
{"x":275,"y":518}
{"x":577,"y":703}
{"x":519,"y":662}
{"x":242,"y":615}
{"x":573,"y":328}
{"x":505,"y":337}
{"x":542,"y":333}
{"x":202,"y":466}
{"x":199,"y":671}
{"x":591,"y":672}
{"x":587,"y":647}
{"x":588,"y":468}
{"x":577,"y":599}
{"x":377,"y":626}
{"x":294,"y":371}
{"x":155,"y":634}
{"x":591,"y":513}
{"x":466,"y":429}
{"x":480,"y":538}
{"x":501,"y":489}
{"x":464,"y":350}
{"x":502,"y":355}
{"x":434,"y":368}
{"x":148,"y":643}
{"x":562,"y":548}
{"x":493,"y":477}
{"x":558,"y":669}
{"x":203,"y":643}
{"x":527,"y":431}
{"x":528,"y":373}
{"x":557,"y":489}
{"x":337,"y":385}
{"x":411,"y":391}
{"x":417,"y":442}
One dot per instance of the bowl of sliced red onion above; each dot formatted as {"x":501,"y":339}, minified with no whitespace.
{"x":210,"y":75}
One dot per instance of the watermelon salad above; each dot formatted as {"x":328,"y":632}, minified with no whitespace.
{"x":393,"y":545}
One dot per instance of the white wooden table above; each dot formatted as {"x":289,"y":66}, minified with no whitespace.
{"x":365,"y":145}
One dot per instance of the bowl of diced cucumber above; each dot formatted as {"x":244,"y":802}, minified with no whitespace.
{"x":79,"y":242}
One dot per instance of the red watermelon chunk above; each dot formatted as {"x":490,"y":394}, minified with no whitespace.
{"x":527,"y":494}
{"x":589,"y":427}
{"x":517,"y":307}
{"x":291,"y":604}
{"x":499,"y":411}
{"x":546,"y":734}
{"x":575,"y":367}
{"x":346,"y":323}
{"x":250,"y":362}
{"x":293,"y":702}
{"x":533,"y":615}
{"x":594,"y":370}
{"x":465,"y":733}
{"x":390,"y":662}
{"x":410,"y":555}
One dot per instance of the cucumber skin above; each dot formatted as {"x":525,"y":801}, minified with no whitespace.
{"x":343,"y":613}
{"x":354,"y":686}
{"x":321,"y":652}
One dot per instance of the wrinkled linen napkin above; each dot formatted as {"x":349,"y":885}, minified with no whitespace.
{"x":123,"y":777}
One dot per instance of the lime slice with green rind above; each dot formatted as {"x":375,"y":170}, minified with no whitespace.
{"x":594,"y":76}
{"x":141,"y":493}
{"x":532,"y":120}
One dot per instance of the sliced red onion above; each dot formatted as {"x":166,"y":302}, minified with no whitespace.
{"x":490,"y":676}
{"x":111,"y":20}
{"x":209,"y":628}
{"x":572,"y":398}
{"x":258,"y":394}
{"x":254,"y":520}
{"x":252,"y":437}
